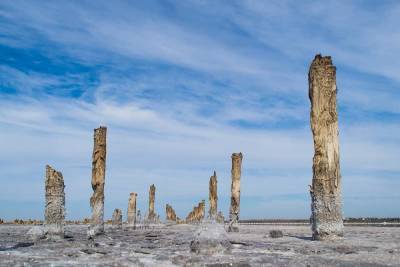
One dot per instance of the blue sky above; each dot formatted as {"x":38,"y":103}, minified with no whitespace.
{"x":183,"y":84}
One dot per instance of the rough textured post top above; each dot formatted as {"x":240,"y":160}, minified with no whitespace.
{"x":322,"y":82}
{"x":321,"y":61}
{"x":132,"y":200}
{"x":236,"y":170}
{"x":237,"y":156}
{"x":100,"y":135}
{"x":152,"y":188}
{"x":236,"y":165}
{"x":55,"y":180}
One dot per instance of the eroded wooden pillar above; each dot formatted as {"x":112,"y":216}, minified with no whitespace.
{"x":131,"y":218}
{"x":152,"y":196}
{"x":326,"y":206}
{"x":55,"y":204}
{"x":235,"y":192}
{"x":213,"y":197}
{"x":98,"y":181}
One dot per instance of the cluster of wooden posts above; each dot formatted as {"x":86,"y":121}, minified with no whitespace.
{"x":325,"y":191}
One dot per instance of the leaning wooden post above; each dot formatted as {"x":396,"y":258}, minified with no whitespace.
{"x":326,"y":200}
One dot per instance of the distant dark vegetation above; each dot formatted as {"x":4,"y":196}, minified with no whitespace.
{"x":372,"y":220}
{"x":302,"y":221}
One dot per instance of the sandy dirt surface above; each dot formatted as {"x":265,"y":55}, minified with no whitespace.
{"x":169,"y":246}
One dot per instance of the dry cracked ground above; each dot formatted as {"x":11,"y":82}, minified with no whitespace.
{"x":168,"y":245}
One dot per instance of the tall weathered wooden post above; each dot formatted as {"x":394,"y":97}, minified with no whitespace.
{"x":132,"y":210}
{"x":152,"y":196}
{"x":98,"y":181}
{"x":213,"y":197}
{"x":326,"y":206}
{"x":235,"y":192}
{"x":55,"y":204}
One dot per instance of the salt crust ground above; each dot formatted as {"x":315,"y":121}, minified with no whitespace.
{"x":169,"y":246}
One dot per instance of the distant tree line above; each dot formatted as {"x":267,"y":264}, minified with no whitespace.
{"x":347,"y":220}
{"x":372,"y":220}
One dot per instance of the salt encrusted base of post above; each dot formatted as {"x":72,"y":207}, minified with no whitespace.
{"x":55,"y":204}
{"x":326,"y":200}
{"x":117,"y":218}
{"x":213,"y":197}
{"x":98,"y":181}
{"x":235,"y":192}
{"x":132,"y":210}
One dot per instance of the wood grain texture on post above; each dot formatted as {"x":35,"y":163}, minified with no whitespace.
{"x":235,"y":192}
{"x":98,"y":181}
{"x":213,"y":197}
{"x":55,"y":203}
{"x":131,"y":216}
{"x":326,"y":206}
